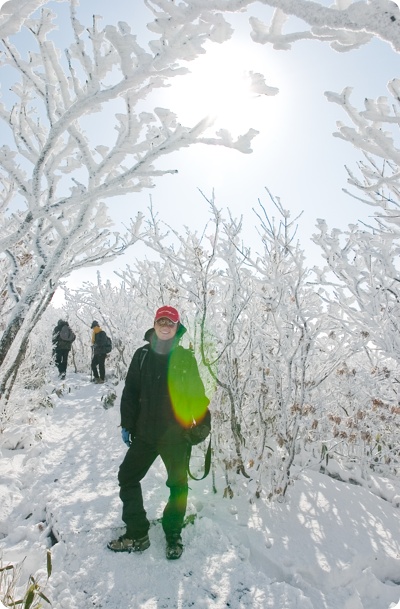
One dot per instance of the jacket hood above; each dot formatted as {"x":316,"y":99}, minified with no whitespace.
{"x":179,"y":333}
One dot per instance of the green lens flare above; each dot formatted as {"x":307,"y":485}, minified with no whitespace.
{"x":186,"y":389}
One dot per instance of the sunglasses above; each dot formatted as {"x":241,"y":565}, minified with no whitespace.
{"x":165,"y":322}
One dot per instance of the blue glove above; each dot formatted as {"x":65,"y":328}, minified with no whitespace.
{"x":126,"y":436}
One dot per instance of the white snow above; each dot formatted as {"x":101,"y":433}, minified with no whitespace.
{"x":331,"y":545}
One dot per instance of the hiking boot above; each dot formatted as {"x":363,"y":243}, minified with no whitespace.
{"x":127,"y":544}
{"x":99,"y":381}
{"x":174,"y":547}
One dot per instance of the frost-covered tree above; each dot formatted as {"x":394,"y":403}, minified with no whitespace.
{"x":57,"y":173}
{"x":361,"y":278}
{"x":361,"y":284}
{"x":293,"y":382}
{"x":361,"y":275}
{"x":206,"y":276}
{"x":120,"y":312}
{"x":257,"y":328}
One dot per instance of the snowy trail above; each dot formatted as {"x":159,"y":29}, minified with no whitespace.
{"x":85,"y":514}
{"x":307,"y":553}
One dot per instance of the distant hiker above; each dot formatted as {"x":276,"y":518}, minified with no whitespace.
{"x":100,"y":349}
{"x":164,"y":410}
{"x":62,"y":340}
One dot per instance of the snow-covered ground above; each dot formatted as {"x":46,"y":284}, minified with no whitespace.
{"x":331,"y":545}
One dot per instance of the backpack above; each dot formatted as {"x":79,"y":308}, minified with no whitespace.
{"x":107,"y":344}
{"x":103,"y":343}
{"x":67,"y":334}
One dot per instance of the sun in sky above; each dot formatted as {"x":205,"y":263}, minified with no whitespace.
{"x":223,"y":85}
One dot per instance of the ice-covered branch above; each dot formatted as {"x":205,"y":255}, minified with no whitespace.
{"x":14,"y":12}
{"x":345,"y":25}
{"x":374,"y":132}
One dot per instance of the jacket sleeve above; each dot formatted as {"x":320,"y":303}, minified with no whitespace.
{"x":130,"y":399}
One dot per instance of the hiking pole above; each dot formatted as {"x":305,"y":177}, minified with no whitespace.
{"x":91,"y":358}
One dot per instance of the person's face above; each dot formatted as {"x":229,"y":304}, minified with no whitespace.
{"x":165,"y":328}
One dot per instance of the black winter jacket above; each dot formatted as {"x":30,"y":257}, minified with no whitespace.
{"x":99,"y":346}
{"x":163,"y":394}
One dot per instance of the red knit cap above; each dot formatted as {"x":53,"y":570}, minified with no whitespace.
{"x":169,"y":313}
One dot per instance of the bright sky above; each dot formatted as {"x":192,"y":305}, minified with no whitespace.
{"x":295,"y":156}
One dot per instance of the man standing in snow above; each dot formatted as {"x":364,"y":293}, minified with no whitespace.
{"x":62,"y":340}
{"x":99,"y":352}
{"x":164,"y":410}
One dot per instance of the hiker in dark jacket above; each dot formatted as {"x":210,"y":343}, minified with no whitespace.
{"x":99,"y":353}
{"x":164,"y":409}
{"x":62,"y":340}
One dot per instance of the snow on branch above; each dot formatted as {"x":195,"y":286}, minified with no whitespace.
{"x":14,"y":12}
{"x":374,"y":131}
{"x":345,"y":25}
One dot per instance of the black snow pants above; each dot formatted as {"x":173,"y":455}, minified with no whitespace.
{"x":138,"y":460}
{"x":61,"y":359}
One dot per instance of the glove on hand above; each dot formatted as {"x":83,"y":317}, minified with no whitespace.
{"x":126,"y":436}
{"x":197,"y":434}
